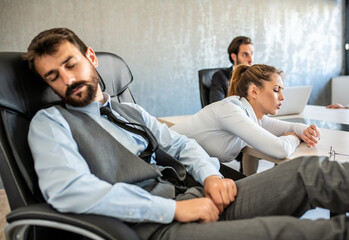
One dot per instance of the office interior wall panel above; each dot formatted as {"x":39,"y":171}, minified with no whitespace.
{"x":165,"y":43}
{"x":340,"y":87}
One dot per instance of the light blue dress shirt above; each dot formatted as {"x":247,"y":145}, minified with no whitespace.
{"x":68,"y":185}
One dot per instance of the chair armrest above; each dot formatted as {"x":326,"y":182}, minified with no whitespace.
{"x":85,"y":224}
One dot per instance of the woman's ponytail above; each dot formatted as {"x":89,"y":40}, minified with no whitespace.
{"x":236,"y":80}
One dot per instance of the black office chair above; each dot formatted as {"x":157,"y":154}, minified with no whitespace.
{"x":205,"y":79}
{"x":22,"y":94}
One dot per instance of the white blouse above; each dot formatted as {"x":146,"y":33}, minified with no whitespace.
{"x":225,"y":127}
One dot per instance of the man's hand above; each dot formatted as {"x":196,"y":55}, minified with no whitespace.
{"x":198,"y":209}
{"x":311,"y":136}
{"x":221,"y":191}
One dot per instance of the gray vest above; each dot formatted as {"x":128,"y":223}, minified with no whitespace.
{"x":112,"y":162}
{"x":108,"y":159}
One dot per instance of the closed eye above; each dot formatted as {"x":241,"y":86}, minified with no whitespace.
{"x":277,"y":88}
{"x":54,"y":79}
{"x":70,"y":66}
{"x":51,"y":77}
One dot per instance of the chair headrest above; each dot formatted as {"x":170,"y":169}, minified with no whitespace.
{"x":114,"y":72}
{"x":206,"y":76}
{"x":25,"y":92}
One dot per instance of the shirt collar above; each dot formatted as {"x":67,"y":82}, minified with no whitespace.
{"x":93,"y":107}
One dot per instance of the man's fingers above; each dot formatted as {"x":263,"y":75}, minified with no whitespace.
{"x":227,"y":193}
{"x":235,"y":189}
{"x":221,"y":191}
{"x":231,"y":191}
{"x":198,"y":209}
{"x":211,"y":213}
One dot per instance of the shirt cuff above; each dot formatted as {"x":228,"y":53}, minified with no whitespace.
{"x":162,"y":210}
{"x":208,"y":171}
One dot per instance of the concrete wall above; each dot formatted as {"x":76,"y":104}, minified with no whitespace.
{"x":165,"y":42}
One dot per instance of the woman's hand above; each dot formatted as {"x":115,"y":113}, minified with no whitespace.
{"x":337,"y":106}
{"x":311,"y":136}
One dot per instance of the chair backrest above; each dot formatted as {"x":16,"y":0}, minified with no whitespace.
{"x":205,"y":78}
{"x":22,"y":94}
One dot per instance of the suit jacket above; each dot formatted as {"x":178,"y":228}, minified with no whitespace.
{"x":220,"y":83}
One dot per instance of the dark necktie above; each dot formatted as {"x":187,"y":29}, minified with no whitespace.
{"x":175,"y":172}
{"x":136,"y":128}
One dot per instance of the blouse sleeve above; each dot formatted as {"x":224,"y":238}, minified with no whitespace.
{"x":279,"y":127}
{"x":233,"y":119}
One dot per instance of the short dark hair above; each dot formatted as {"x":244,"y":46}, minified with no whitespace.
{"x":47,"y":42}
{"x":234,"y":46}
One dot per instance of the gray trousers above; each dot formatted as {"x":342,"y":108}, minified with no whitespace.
{"x":269,"y":204}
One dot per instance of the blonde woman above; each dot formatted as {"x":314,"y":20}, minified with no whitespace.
{"x":223,"y":128}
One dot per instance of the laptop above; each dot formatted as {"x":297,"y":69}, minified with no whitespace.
{"x":295,"y":100}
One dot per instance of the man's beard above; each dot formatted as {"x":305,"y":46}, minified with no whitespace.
{"x":85,"y":97}
{"x":238,"y":62}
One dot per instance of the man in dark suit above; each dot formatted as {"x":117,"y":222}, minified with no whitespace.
{"x":240,"y":51}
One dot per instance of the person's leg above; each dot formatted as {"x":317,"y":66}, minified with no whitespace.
{"x":292,"y":188}
{"x":287,"y":189}
{"x":261,"y":228}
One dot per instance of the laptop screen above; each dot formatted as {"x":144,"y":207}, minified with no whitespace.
{"x":295,"y":100}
